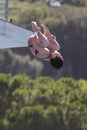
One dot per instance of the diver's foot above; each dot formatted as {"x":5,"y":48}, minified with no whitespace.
{"x":46,"y":31}
{"x":35,"y":27}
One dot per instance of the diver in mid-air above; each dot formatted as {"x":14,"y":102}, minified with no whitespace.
{"x":44,"y":46}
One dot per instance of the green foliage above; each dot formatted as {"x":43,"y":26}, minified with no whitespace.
{"x":77,"y":2}
{"x":42,"y":103}
{"x":21,"y":64}
{"x":68,"y":23}
{"x":32,"y":13}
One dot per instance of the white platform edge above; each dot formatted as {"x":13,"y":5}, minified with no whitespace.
{"x":12,"y":36}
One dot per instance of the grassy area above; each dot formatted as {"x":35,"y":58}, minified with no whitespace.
{"x":16,"y":7}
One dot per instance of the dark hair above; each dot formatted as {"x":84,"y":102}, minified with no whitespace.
{"x":57,"y":62}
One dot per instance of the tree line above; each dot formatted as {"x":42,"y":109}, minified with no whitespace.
{"x":42,"y":103}
{"x":74,"y":2}
{"x":68,"y":23}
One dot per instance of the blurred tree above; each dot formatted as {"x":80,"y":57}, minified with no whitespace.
{"x":42,"y":103}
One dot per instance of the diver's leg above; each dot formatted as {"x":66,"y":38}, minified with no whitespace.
{"x":43,"y":39}
{"x":47,"y":32}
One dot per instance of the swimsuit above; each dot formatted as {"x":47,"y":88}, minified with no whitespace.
{"x":36,"y":52}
